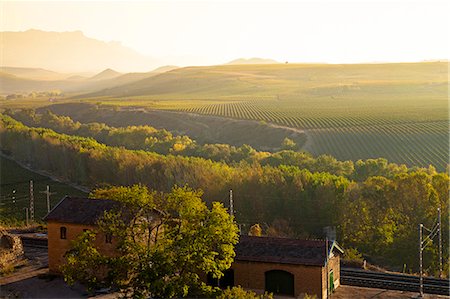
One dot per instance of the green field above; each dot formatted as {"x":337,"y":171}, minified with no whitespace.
{"x":404,"y":130}
{"x":16,"y":178}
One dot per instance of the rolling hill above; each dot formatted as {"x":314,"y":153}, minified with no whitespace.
{"x":276,"y":79}
{"x":33,"y":73}
{"x":11,"y":83}
{"x":105,"y":75}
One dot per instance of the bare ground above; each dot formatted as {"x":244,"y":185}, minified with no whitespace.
{"x":32,"y":280}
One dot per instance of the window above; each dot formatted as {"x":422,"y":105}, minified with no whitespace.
{"x":63,"y":232}
{"x":108,"y":238}
{"x":85,"y":230}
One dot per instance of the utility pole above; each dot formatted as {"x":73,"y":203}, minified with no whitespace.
{"x":326,"y":267}
{"x":26,"y":215}
{"x":440,"y":242}
{"x":48,"y":193}
{"x":231,"y":203}
{"x":428,"y":240}
{"x":31,"y":202}
{"x":420,"y":260}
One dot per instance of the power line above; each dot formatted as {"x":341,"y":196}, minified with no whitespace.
{"x":23,"y":182}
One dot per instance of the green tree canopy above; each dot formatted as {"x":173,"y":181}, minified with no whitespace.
{"x":163,"y":243}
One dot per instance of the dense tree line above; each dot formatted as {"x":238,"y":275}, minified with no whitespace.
{"x":163,"y":142}
{"x":378,"y":213}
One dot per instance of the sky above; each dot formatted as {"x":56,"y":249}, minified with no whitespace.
{"x":213,"y":32}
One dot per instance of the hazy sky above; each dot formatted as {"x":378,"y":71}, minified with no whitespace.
{"x":213,"y":32}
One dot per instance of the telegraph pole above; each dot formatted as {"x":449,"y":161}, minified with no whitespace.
{"x":326,"y":268}
{"x":48,"y":193}
{"x":440,"y":242}
{"x":31,"y":202}
{"x":26,"y":215}
{"x":231,"y":203}
{"x":420,"y":260}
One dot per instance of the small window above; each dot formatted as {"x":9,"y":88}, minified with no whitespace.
{"x":85,"y":230}
{"x":63,"y":232}
{"x":108,"y":238}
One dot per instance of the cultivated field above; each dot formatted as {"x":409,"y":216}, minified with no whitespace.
{"x":413,"y":131}
{"x":395,"y":111}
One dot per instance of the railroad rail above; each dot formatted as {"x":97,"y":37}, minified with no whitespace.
{"x":34,"y":242}
{"x":391,"y":281}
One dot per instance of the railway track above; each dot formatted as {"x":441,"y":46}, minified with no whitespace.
{"x":34,"y":242}
{"x":371,"y":279}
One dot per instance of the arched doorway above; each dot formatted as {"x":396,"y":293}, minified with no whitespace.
{"x":279,"y":282}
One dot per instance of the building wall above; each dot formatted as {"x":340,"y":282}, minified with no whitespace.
{"x":334,"y":264}
{"x":251,"y":275}
{"x":57,"y":247}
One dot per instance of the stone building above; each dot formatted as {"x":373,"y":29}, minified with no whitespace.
{"x":68,"y":219}
{"x":283,"y":266}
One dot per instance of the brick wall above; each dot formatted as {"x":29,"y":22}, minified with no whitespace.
{"x":334,"y":264}
{"x":251,"y":275}
{"x":57,"y":247}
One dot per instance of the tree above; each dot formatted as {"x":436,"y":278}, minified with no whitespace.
{"x":288,"y":144}
{"x":240,"y":293}
{"x":255,"y":230}
{"x":157,"y":256}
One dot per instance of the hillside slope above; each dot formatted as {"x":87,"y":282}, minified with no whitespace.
{"x":33,"y":73}
{"x":271,"y":80}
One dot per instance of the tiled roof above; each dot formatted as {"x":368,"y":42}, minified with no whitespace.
{"x":256,"y":249}
{"x":282,"y":250}
{"x":80,"y":210}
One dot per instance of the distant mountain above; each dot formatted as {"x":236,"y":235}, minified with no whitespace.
{"x":13,"y":84}
{"x":76,"y":78}
{"x":68,"y":52}
{"x":33,"y":73}
{"x":73,"y":83}
{"x":106,"y":74}
{"x":253,"y":61}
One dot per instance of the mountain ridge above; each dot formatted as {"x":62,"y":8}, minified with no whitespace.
{"x":70,"y":52}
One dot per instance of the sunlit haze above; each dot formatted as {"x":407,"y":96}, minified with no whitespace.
{"x":211,"y":32}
